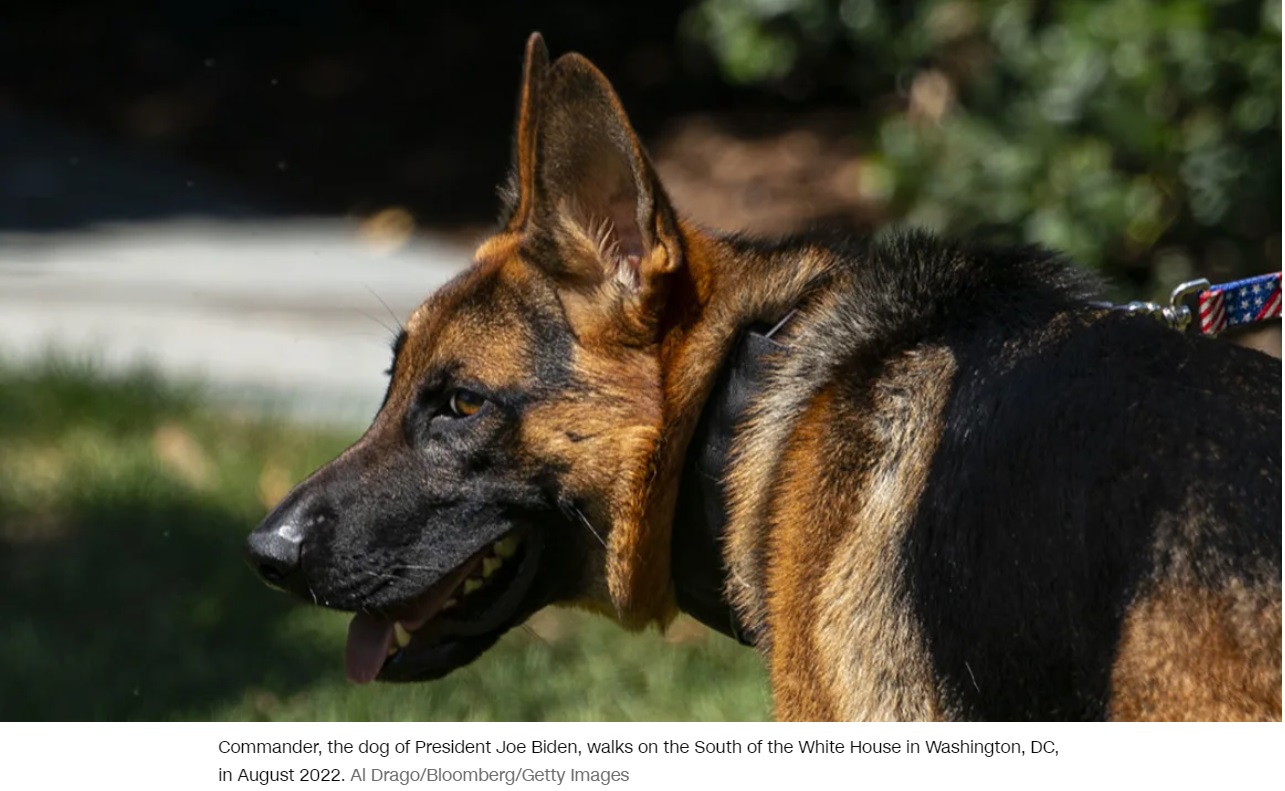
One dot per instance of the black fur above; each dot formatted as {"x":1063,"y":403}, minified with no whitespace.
{"x":424,"y":491}
{"x":1085,"y":454}
{"x":880,"y":297}
{"x":1067,"y":478}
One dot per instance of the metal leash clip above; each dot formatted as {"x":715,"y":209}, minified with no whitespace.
{"x":1176,"y":314}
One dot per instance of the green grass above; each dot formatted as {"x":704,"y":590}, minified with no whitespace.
{"x":123,"y":594}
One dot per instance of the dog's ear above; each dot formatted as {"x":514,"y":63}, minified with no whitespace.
{"x":586,"y":187}
{"x":517,"y":192}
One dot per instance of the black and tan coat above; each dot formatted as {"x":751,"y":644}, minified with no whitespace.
{"x":967,"y":491}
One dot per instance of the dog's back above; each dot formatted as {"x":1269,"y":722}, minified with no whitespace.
{"x":964,"y":491}
{"x":969,"y":493}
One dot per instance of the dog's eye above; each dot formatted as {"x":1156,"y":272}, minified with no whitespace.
{"x":465,"y":403}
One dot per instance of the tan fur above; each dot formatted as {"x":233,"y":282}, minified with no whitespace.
{"x":807,"y":523}
{"x":750,"y":491}
{"x":845,"y":642}
{"x":490,"y":346}
{"x":599,"y":442}
{"x":827,"y":474}
{"x":869,"y":640}
{"x":1194,"y":654}
{"x":534,"y":67}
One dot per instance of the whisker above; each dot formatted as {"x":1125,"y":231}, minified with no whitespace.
{"x":391,"y":314}
{"x":585,"y":520}
{"x":534,"y":634}
{"x":377,"y":321}
{"x":413,"y":568}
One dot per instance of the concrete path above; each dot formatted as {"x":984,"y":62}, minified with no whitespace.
{"x":286,"y":313}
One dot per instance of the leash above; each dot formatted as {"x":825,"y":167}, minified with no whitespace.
{"x":1233,"y":304}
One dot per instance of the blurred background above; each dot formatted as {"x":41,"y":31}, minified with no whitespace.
{"x":214,"y":214}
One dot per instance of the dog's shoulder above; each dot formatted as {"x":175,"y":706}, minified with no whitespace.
{"x":1012,"y":316}
{"x":970,"y":427}
{"x":1030,"y":373}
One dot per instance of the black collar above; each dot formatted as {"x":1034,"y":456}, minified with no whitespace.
{"x":700,"y":514}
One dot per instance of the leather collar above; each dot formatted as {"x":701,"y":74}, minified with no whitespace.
{"x":700,"y":514}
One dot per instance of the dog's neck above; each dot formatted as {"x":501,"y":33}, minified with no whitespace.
{"x":715,"y":301}
{"x":700,"y":517}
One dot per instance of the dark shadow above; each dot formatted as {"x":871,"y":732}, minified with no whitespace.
{"x":133,"y":607}
{"x":117,"y":110}
{"x":53,"y":177}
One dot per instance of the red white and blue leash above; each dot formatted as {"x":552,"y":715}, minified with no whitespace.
{"x":1233,"y":304}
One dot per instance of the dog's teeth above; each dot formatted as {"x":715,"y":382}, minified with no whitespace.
{"x":402,"y":637}
{"x":471,"y":585}
{"x":507,"y":547}
{"x":490,"y":566}
{"x":449,"y":604}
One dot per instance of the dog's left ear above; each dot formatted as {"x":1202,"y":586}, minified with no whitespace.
{"x":587,"y":187}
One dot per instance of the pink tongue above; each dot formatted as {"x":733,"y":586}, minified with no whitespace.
{"x":369,"y":638}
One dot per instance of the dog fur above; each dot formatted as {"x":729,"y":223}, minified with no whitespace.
{"x":968,"y":492}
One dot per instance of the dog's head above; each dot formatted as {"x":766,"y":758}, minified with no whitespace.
{"x":509,"y":464}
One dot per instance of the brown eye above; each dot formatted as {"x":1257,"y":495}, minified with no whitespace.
{"x":465,"y":403}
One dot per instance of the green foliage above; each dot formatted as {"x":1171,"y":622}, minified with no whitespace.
{"x":124,"y":502}
{"x":1139,"y":136}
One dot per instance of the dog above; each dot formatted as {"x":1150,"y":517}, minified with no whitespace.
{"x":925,"y":479}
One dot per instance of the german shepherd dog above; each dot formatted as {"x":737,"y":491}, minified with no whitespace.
{"x":925,"y":479}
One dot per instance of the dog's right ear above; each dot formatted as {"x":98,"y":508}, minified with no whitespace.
{"x":584,"y":197}
{"x":517,"y":192}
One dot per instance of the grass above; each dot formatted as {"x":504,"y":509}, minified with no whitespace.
{"x":123,"y":595}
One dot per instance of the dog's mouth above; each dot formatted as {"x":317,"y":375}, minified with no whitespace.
{"x":452,"y":621}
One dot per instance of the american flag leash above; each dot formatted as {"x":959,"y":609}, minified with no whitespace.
{"x":1240,"y":302}
{"x":1232,"y":304}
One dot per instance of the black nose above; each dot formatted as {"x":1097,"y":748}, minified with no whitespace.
{"x":275,"y":547}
